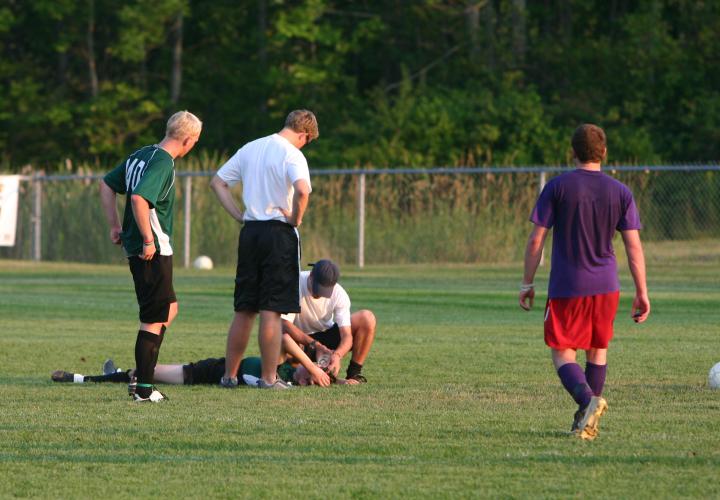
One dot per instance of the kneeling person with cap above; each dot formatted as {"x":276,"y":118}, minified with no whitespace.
{"x":325,"y":324}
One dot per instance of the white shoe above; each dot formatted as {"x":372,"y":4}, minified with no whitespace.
{"x":154,"y":397}
{"x":108,"y":367}
{"x":278,"y":384}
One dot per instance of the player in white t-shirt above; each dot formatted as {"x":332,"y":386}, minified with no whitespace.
{"x":325,"y":324}
{"x":276,"y":190}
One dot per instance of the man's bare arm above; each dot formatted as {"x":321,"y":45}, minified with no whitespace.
{"x":533,"y":254}
{"x":107,"y":199}
{"x":290,"y":347}
{"x":301,"y":196}
{"x":141,"y":212}
{"x":296,"y":333}
{"x":222,"y":191}
{"x":636,"y":262}
{"x":342,"y":349}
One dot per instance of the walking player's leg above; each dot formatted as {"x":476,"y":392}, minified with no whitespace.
{"x":596,"y":369}
{"x":572,"y":376}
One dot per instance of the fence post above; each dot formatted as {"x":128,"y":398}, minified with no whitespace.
{"x":540,"y":188}
{"x":361,"y":221}
{"x":188,"y":215}
{"x":37,"y":218}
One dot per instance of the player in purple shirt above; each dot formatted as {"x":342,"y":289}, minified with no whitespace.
{"x":584,"y":208}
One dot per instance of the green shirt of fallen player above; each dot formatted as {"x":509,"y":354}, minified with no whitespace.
{"x":325,"y":325}
{"x":147,"y":179}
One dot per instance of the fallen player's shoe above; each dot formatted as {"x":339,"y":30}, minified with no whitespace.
{"x":108,"y":367}
{"x":63,"y":376}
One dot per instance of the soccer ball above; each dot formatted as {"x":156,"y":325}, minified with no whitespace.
{"x":203,"y":262}
{"x":714,"y":377}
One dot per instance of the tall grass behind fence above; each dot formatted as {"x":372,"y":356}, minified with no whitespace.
{"x":408,"y":217}
{"x":425,"y":218}
{"x":676,"y":205}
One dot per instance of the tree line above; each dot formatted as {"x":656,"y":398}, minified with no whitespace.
{"x":393,"y":83}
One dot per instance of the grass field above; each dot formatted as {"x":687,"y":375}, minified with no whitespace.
{"x":461,"y":401}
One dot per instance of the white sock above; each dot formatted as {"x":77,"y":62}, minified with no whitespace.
{"x":78,"y":378}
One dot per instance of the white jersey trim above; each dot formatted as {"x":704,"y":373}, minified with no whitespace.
{"x":162,"y":237}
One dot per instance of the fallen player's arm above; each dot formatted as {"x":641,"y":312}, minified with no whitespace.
{"x":296,"y":333}
{"x":319,"y":377}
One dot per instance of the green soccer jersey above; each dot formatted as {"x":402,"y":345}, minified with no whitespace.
{"x":150,"y":173}
{"x":253,"y":366}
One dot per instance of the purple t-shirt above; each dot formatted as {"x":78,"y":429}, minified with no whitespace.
{"x":584,"y":208}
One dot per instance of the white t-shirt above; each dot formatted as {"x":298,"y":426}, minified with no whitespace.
{"x":317,"y":315}
{"x":267,"y":167}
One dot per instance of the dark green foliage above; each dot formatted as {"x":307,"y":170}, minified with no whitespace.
{"x":393,"y":83}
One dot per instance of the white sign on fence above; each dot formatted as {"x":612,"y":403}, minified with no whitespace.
{"x":9,"y":187}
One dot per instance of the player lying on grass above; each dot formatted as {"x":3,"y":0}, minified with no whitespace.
{"x":324,"y":325}
{"x":209,"y":371}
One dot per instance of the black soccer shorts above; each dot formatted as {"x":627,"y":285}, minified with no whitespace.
{"x":153,"y":287}
{"x":268,"y":268}
{"x":330,"y":338}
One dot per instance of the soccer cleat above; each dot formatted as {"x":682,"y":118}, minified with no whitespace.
{"x":108,"y":367}
{"x":576,"y":421}
{"x":588,"y":426}
{"x":229,"y":382}
{"x":278,"y":384}
{"x":154,"y":397}
{"x":62,"y":376}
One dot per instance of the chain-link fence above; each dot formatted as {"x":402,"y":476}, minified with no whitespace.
{"x":373,"y":216}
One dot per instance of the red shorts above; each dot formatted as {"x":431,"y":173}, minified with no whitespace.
{"x":581,"y":322}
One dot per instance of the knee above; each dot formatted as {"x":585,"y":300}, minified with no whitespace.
{"x":366,"y":320}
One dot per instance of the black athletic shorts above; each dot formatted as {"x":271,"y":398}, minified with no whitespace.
{"x":268,"y":268}
{"x":330,"y":338}
{"x":210,"y":371}
{"x":153,"y":287}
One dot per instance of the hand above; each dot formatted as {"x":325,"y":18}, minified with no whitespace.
{"x":334,"y":366}
{"x":640,"y":308}
{"x":527,"y":298}
{"x":289,"y":217}
{"x":319,"y":377}
{"x":115,"y":235}
{"x":148,"y":251}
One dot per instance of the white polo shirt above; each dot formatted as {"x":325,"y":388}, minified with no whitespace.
{"x":267,"y":167}
{"x":317,"y":315}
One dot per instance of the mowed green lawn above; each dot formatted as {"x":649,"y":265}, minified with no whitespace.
{"x":462,"y":400}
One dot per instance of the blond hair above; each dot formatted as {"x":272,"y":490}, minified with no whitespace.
{"x":183,"y":124}
{"x":303,"y":121}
